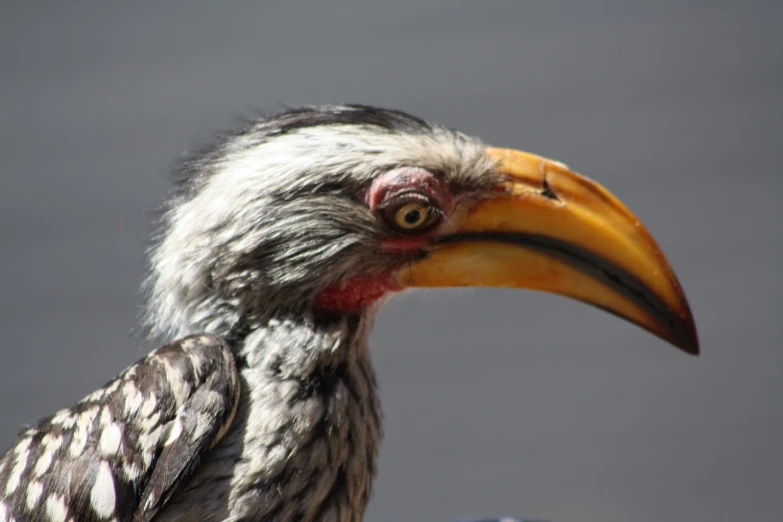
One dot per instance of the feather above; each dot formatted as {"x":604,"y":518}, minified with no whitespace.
{"x":121,"y":452}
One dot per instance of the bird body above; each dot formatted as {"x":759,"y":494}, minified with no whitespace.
{"x":276,"y":252}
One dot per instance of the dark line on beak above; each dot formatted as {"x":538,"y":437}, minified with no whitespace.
{"x":546,"y":190}
{"x":598,"y":268}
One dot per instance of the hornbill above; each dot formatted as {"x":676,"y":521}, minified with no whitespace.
{"x":276,"y":251}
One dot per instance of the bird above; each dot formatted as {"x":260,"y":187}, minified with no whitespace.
{"x":279,"y":244}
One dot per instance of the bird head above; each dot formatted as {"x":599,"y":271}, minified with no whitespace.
{"x":331,"y":209}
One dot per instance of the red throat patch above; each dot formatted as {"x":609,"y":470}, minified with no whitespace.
{"x":356,"y":294}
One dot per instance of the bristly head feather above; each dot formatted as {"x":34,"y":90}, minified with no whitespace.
{"x":271,"y":214}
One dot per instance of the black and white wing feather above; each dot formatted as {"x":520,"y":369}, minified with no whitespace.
{"x":121,"y":452}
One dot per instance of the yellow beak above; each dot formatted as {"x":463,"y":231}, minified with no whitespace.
{"x":549,"y":229}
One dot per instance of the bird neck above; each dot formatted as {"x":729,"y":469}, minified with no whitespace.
{"x":305,"y":346}
{"x":309,"y":421}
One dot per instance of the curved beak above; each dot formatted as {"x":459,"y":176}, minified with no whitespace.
{"x":547,"y":228}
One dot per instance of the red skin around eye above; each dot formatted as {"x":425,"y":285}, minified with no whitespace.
{"x":396,"y":182}
{"x":405,"y":244}
{"x":357,"y":293}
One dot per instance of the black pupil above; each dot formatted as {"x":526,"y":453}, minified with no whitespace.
{"x":413,"y":216}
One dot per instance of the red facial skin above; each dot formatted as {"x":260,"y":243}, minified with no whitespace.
{"x":357,"y":293}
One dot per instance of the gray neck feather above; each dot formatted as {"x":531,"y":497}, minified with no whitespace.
{"x":304,"y":444}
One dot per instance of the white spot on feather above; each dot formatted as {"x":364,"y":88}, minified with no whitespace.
{"x":131,"y":471}
{"x":44,"y":461}
{"x":69,"y":422}
{"x":175,"y":430}
{"x":79,"y":441}
{"x":55,"y":508}
{"x":19,"y":466}
{"x":106,"y":417}
{"x":149,"y":406}
{"x":95,"y":396}
{"x":148,"y":424}
{"x":112,"y":387}
{"x":102,"y":495}
{"x":179,"y":387}
{"x":34,"y":491}
{"x":148,"y":441}
{"x":111,"y":436}
{"x":61,"y":416}
{"x":87,"y":417}
{"x":133,"y":398}
{"x":23,"y":446}
{"x":52,"y":442}
{"x":83,"y":429}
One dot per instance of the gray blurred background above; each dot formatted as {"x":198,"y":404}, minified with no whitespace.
{"x":496,"y":402}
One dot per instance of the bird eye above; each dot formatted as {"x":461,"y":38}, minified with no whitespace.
{"x":409,"y":216}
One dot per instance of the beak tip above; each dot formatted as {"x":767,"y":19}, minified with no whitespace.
{"x":691,"y":347}
{"x":687,"y":338}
